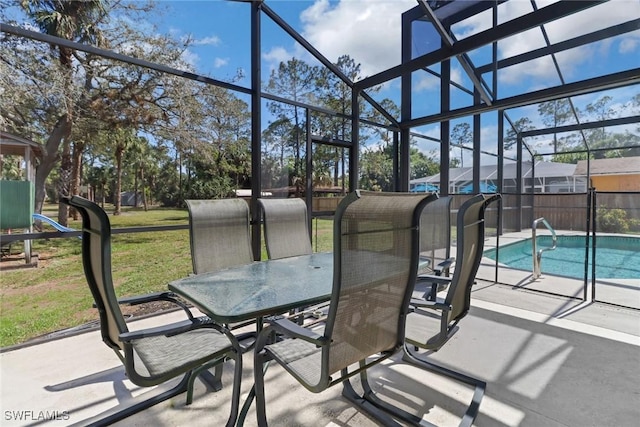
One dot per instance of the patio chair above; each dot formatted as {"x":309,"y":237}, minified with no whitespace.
{"x":219,"y":234}
{"x":432,"y":323}
{"x":286,"y":228}
{"x":155,"y":355}
{"x":435,"y":242}
{"x":375,"y":263}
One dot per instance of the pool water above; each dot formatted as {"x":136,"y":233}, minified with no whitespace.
{"x":617,"y":257}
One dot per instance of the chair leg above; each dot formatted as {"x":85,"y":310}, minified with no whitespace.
{"x":366,"y":406}
{"x":470,"y":415}
{"x":371,"y":396}
{"x":215,"y":381}
{"x":235,"y":397}
{"x":372,"y":404}
{"x":258,"y":366}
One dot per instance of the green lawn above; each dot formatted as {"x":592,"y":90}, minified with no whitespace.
{"x":54,"y":296}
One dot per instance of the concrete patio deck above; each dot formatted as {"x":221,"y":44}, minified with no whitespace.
{"x":547,"y":360}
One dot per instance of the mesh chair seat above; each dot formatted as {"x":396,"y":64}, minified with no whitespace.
{"x":162,"y":355}
{"x":424,"y":329}
{"x":300,"y":358}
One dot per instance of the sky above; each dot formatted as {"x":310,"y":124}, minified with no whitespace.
{"x":369,"y":31}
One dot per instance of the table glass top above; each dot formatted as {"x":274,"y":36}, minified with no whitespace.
{"x":261,"y":288}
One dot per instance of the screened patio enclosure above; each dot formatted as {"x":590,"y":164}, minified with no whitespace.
{"x":476,"y":85}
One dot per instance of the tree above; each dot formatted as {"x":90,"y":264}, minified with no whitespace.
{"x":599,"y":110}
{"x":294,"y":80}
{"x":276,"y":147}
{"x":521,"y":125}
{"x":421,"y":164}
{"x":76,"y":21}
{"x":555,"y":113}
{"x":11,"y":168}
{"x":461,"y":135}
{"x":33,"y":93}
{"x":376,"y":169}
{"x":140,"y":159}
{"x":215,"y":141}
{"x":335,"y":94}
{"x":108,"y":94}
{"x":98,"y":177}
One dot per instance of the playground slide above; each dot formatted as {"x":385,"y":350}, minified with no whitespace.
{"x":51,"y":222}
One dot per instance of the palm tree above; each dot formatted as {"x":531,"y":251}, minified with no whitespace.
{"x":98,"y":178}
{"x":76,"y":21}
{"x":141,"y":157}
{"x":123,"y":139}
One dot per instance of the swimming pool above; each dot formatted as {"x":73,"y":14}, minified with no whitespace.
{"x":617,"y":257}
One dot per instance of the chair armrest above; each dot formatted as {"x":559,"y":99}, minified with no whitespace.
{"x":444,"y":266}
{"x":169,"y":330}
{"x":293,"y":330}
{"x":435,"y":305}
{"x":432,"y":278}
{"x":156,"y":296}
{"x":438,"y":283}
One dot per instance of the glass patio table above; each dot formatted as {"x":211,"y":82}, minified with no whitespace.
{"x":259,"y":289}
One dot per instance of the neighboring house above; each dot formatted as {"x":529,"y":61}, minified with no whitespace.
{"x":619,"y":174}
{"x":544,"y":177}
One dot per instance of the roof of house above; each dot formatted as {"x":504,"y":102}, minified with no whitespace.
{"x":13,"y":145}
{"x":490,"y":172}
{"x":617,"y":166}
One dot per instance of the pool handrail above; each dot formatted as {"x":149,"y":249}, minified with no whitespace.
{"x":537,"y":254}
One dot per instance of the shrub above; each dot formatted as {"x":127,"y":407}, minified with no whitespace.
{"x":612,"y":220}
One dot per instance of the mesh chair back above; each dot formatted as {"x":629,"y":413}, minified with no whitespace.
{"x":286,"y":227}
{"x":470,"y":244}
{"x":219,"y":234}
{"x":375,"y":261}
{"x":96,"y":259}
{"x":435,"y":231}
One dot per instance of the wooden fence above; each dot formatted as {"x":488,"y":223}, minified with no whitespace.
{"x":564,"y":211}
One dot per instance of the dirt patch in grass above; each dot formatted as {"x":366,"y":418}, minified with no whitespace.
{"x":148,"y":308}
{"x":15,"y":262}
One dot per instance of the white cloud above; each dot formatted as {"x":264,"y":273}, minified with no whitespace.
{"x":586,"y":21}
{"x":629,"y":45}
{"x":457,"y":76}
{"x":207,"y":41}
{"x":367,"y":31}
{"x":425,"y":82}
{"x":220,"y":62}
{"x":276,"y":55}
{"x":190,"y":58}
